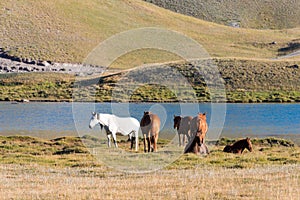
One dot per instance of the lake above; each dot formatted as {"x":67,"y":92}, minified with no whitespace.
{"x":49,"y":120}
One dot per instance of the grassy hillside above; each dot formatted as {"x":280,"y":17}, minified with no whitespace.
{"x":67,"y":30}
{"x":260,"y":14}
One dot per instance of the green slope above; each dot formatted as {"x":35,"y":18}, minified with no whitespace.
{"x":67,"y":30}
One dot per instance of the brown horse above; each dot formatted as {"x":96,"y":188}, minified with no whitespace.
{"x":198,"y":132}
{"x":239,"y":146}
{"x":150,"y":125}
{"x":199,"y":126}
{"x":182,"y":124}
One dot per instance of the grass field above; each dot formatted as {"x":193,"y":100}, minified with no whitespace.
{"x":62,"y":168}
{"x":39,"y":182}
{"x":72,"y":168}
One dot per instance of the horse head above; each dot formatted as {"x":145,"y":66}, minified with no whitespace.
{"x":249,"y":144}
{"x":95,"y":120}
{"x":147,"y":113}
{"x":146,"y":119}
{"x":202,"y":116}
{"x":177,"y":120}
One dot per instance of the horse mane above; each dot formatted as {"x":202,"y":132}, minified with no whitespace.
{"x":146,"y":119}
{"x":199,"y":126}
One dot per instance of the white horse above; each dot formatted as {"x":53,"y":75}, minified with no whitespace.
{"x":113,"y":125}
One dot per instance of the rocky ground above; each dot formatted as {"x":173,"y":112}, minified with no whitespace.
{"x":10,"y":64}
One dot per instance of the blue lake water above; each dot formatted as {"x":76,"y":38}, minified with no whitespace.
{"x":234,"y":120}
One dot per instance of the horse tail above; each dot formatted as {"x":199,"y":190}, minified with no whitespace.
{"x":152,"y":139}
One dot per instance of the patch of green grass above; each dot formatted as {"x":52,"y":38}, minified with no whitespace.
{"x":25,"y":149}
{"x":74,"y":152}
{"x":40,"y":86}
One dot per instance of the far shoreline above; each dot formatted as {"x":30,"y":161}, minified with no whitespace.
{"x":148,"y":102}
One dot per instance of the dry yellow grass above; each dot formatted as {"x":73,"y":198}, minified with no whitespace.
{"x":38,"y":182}
{"x":32,"y":168}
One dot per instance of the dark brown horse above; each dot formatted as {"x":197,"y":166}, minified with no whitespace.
{"x":150,"y":125}
{"x":239,"y":146}
{"x":199,"y":126}
{"x":183,"y":125}
{"x":195,"y":146}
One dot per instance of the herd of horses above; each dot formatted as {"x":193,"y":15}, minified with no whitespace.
{"x":193,"y":129}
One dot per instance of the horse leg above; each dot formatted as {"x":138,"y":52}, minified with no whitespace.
{"x":153,"y":140}
{"x":202,"y":139}
{"x":108,"y":140}
{"x":149,"y":144}
{"x":131,"y":145}
{"x":155,"y":143}
{"x":136,"y":134}
{"x":241,"y":151}
{"x":115,"y":139}
{"x":145,"y":150}
{"x":183,"y":139}
{"x":134,"y":137}
{"x":204,"y":149}
{"x":179,"y":139}
{"x":207,"y":151}
{"x":130,"y":138}
{"x":189,"y":136}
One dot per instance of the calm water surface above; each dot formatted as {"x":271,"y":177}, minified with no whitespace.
{"x":54,"y":119}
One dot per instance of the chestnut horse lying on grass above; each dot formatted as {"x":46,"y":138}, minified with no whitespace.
{"x":239,"y":146}
{"x":150,"y":125}
{"x":183,"y":125}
